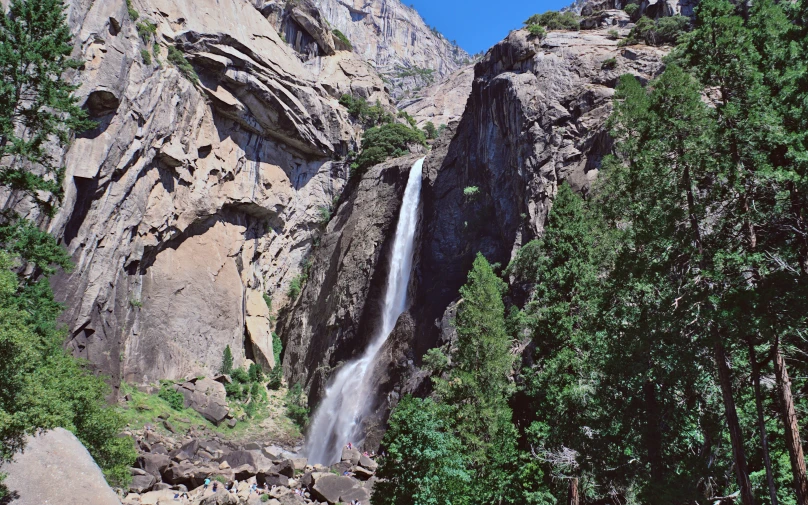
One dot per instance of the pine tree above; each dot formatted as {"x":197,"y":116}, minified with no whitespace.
{"x":227,"y":361}
{"x":477,"y":390}
{"x":37,"y":105}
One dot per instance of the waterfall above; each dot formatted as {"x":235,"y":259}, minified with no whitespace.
{"x":338,"y":419}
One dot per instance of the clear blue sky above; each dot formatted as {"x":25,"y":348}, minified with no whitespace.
{"x":479,"y":24}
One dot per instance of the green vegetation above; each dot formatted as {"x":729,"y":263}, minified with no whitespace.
{"x":41,"y":385}
{"x":146,"y":30}
{"x":342,"y":38}
{"x":227,"y":361}
{"x":178,"y":59}
{"x":631,"y":9}
{"x":666,"y":30}
{"x":133,"y":13}
{"x":471,"y":192}
{"x":276,"y":375}
{"x":324,"y":215}
{"x":383,"y":142}
{"x":171,"y":396}
{"x":537,"y":31}
{"x":410,"y":120}
{"x":609,"y":64}
{"x":650,"y":315}
{"x":368,"y":115}
{"x":613,"y":34}
{"x":426,"y":74}
{"x":297,"y":406}
{"x":146,"y":56}
{"x":430,"y":131}
{"x":554,"y":20}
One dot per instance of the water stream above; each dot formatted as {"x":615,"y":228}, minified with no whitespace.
{"x":338,"y":419}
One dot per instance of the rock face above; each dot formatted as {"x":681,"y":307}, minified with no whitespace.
{"x":535,"y":117}
{"x":193,"y":199}
{"x":335,"y":316}
{"x":441,"y":103}
{"x":650,"y":8}
{"x":51,"y":462}
{"x":396,"y":39}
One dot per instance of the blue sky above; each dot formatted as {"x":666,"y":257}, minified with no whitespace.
{"x":479,"y":24}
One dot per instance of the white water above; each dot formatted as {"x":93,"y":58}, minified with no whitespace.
{"x":338,"y":419}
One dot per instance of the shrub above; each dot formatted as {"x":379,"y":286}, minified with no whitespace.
{"x":135,"y":303}
{"x":369,"y":115}
{"x":609,"y":64}
{"x":341,"y":36}
{"x":613,"y":34}
{"x":264,"y":497}
{"x":178,"y":59}
{"x":173,"y":397}
{"x":430,"y":130}
{"x":554,"y":20}
{"x":631,"y":9}
{"x":234,"y":390}
{"x":435,"y":360}
{"x":133,"y":14}
{"x":146,"y":30}
{"x":296,"y":407}
{"x":240,"y":375}
{"x":276,"y":375}
{"x":255,"y":373}
{"x":537,"y":31}
{"x":666,"y":30}
{"x":471,"y":191}
{"x":295,"y":287}
{"x":227,"y":361}
{"x":382,"y":142}
{"x":146,"y":55}
{"x":324,"y":215}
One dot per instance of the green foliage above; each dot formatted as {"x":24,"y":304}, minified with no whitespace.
{"x":342,"y":38}
{"x":554,"y":20}
{"x":297,"y":283}
{"x":227,"y":361}
{"x":324,"y":215}
{"x":173,"y":397}
{"x":537,"y":31}
{"x":665,"y":30}
{"x":276,"y":374}
{"x":386,"y":141}
{"x":265,"y":498}
{"x":430,"y":130}
{"x":614,"y":34}
{"x":255,"y":374}
{"x":146,"y":56}
{"x":37,"y":108}
{"x":22,"y":238}
{"x":609,"y":64}
{"x":471,"y":192}
{"x":424,"y":463}
{"x":133,"y":13}
{"x":435,"y":360}
{"x":631,"y":9}
{"x":178,"y":59}
{"x":425,"y":74}
{"x":146,"y":30}
{"x":296,"y":406}
{"x":368,"y":115}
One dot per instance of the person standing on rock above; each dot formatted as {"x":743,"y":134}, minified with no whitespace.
{"x":207,"y":483}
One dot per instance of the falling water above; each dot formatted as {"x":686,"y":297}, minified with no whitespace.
{"x":339,"y":417}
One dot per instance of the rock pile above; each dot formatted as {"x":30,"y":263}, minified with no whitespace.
{"x":170,"y":471}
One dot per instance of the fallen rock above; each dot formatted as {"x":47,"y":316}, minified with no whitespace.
{"x":53,"y":457}
{"x":299,"y":463}
{"x":285,"y":467}
{"x":332,"y":487}
{"x":221,"y":497}
{"x":368,"y":463}
{"x":206,"y":396}
{"x":351,"y":455}
{"x":142,"y":483}
{"x":358,"y":493}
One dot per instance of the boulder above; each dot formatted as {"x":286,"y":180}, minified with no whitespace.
{"x":299,"y":463}
{"x":142,"y":483}
{"x":56,"y":456}
{"x":272,"y":451}
{"x":291,"y":499}
{"x":272,"y":479}
{"x":222,"y":497}
{"x":158,"y":497}
{"x":206,"y":396}
{"x":331,"y":488}
{"x":285,"y":467}
{"x":351,"y":455}
{"x":358,"y":493}
{"x":362,"y":473}
{"x":368,"y":463}
{"x":244,"y":472}
{"x":238,"y":458}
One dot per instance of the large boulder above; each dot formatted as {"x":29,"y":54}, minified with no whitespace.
{"x":206,"y":396}
{"x":56,"y":469}
{"x":332,"y":488}
{"x":221,"y":497}
{"x":153,"y":464}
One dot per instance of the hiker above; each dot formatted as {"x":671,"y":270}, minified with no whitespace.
{"x":207,"y":483}
{"x":350,"y":446}
{"x":215,"y":486}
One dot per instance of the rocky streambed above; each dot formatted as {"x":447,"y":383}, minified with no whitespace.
{"x":172,"y":470}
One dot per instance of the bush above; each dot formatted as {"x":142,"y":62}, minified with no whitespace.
{"x":173,"y":397}
{"x":341,"y":36}
{"x":666,"y":30}
{"x":324,"y":215}
{"x":537,"y":31}
{"x":146,"y":55}
{"x":471,"y":191}
{"x":609,"y":64}
{"x":613,"y":34}
{"x":146,"y":30}
{"x":430,"y":130}
{"x":255,"y":373}
{"x":554,"y":20}
{"x":296,"y":407}
{"x":369,"y":115}
{"x":276,"y":375}
{"x":178,"y":59}
{"x":631,"y":9}
{"x":227,"y":361}
{"x":240,"y":375}
{"x":389,"y":140}
{"x":133,"y":14}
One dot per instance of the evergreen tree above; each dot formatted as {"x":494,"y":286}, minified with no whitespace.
{"x":478,"y":387}
{"x":424,"y":462}
{"x":227,"y":361}
{"x":37,"y":105}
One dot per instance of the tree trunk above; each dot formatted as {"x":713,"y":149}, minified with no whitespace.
{"x":793,"y":441}
{"x":734,"y":426}
{"x":764,"y":439}
{"x":573,"y":494}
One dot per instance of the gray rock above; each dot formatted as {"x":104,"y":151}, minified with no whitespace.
{"x":206,"y":396}
{"x":142,"y":483}
{"x":56,"y":456}
{"x":331,"y":488}
{"x":221,"y":497}
{"x":368,"y":463}
{"x":153,"y":464}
